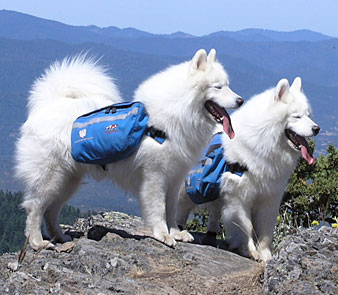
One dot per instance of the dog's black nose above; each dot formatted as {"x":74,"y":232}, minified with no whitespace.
{"x":315,"y":129}
{"x":239,"y":101}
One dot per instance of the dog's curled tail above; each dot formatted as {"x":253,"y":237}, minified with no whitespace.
{"x":73,"y":78}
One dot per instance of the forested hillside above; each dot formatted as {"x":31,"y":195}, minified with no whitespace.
{"x":12,"y":222}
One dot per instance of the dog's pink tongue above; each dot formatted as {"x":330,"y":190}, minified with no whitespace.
{"x":227,"y":125}
{"x":307,"y":155}
{"x":305,"y":150}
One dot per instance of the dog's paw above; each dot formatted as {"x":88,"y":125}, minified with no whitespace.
{"x":255,"y":255}
{"x":183,"y":236}
{"x":251,"y":253}
{"x":40,"y":245}
{"x":252,"y":250}
{"x":165,"y":238}
{"x":265,"y":255}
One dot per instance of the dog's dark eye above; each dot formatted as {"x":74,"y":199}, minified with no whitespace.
{"x":297,"y":117}
{"x":217,"y":87}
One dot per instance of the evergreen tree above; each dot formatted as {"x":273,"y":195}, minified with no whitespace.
{"x":12,"y":222}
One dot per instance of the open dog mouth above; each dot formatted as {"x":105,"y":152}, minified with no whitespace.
{"x":221,"y":116}
{"x":299,"y":143}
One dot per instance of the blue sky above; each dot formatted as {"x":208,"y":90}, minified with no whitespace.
{"x":197,"y":17}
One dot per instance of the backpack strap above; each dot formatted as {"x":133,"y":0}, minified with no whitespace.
{"x":156,"y":134}
{"x":212,"y":148}
{"x":236,"y":168}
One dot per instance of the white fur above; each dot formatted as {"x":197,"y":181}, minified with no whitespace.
{"x":249,"y":204}
{"x":174,"y":100}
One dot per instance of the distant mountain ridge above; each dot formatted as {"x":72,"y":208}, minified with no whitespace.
{"x":259,"y":35}
{"x":23,"y":26}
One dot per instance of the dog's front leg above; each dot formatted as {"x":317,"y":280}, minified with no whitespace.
{"x":239,"y":229}
{"x":214,"y":209}
{"x":265,"y":220}
{"x":153,"y":206}
{"x":172,"y":203}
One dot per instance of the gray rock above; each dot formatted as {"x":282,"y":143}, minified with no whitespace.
{"x":121,"y":258}
{"x":306,"y":263}
{"x":112,"y":253}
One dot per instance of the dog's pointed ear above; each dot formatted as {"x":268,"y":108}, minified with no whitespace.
{"x":282,"y":90}
{"x":297,"y":84}
{"x":212,"y":56}
{"x":199,"y":61}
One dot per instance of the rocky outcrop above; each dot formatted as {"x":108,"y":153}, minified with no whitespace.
{"x":113,"y":254}
{"x":119,"y":258}
{"x":306,"y":263}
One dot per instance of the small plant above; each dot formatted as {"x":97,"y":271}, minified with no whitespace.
{"x":199,"y":223}
{"x":284,"y":226}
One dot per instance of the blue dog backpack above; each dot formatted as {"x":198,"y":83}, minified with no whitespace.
{"x":202,"y":184}
{"x":109,"y":134}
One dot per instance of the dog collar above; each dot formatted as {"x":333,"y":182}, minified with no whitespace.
{"x":156,"y":134}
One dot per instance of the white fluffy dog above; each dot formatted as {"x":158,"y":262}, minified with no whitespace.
{"x":270,"y":136}
{"x":185,"y":101}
